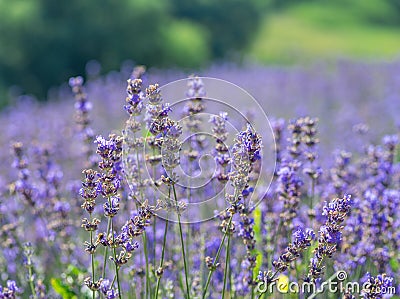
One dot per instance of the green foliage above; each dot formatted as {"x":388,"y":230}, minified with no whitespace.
{"x":62,"y":289}
{"x":46,"y":41}
{"x":71,"y":283}
{"x":43,"y":42}
{"x":258,"y":234}
{"x":394,"y":263}
{"x":323,"y":29}
{"x":187,"y":44}
{"x":230,"y":23}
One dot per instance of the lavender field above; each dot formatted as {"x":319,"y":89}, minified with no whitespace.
{"x":107,"y":191}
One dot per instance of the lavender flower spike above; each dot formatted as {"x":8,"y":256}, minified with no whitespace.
{"x":330,"y":234}
{"x":301,"y":240}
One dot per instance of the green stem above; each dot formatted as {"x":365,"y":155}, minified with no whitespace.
{"x":182,"y":245}
{"x":144,"y":233}
{"x":232,"y":294}
{"x":106,"y":249}
{"x":141,"y":289}
{"x":31,"y":280}
{"x":146,"y":257}
{"x":216,"y":258}
{"x":189,"y":195}
{"x":92,"y":262}
{"x":154,"y":239}
{"x":115,"y":261}
{"x":202,"y":256}
{"x":144,"y":238}
{"x":155,"y":218}
{"x":133,"y":286}
{"x":312,"y":193}
{"x":162,"y":256}
{"x":163,"y":246}
{"x":117,"y":276}
{"x":275,"y":236}
{"x":227,"y":264}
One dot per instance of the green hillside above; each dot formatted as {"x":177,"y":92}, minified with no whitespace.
{"x":329,"y":29}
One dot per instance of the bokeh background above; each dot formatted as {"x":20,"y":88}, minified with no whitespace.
{"x":44,"y":42}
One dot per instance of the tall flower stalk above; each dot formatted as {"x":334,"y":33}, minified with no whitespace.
{"x":82,"y":120}
{"x":109,"y":180}
{"x":249,"y":141}
{"x":330,"y":235}
{"x":28,"y":252}
{"x":245,"y":152}
{"x":170,"y":158}
{"x":192,"y":122}
{"x":167,"y":134}
{"x":222,"y":158}
{"x":310,"y":140}
{"x":134,"y":106}
{"x":89,"y":192}
{"x":160,"y":269}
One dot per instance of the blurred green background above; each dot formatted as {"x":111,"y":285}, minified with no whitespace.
{"x":44,"y":42}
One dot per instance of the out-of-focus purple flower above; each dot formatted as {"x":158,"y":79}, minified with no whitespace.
{"x":62,"y":207}
{"x":23,"y":184}
{"x":170,"y":149}
{"x":82,"y":109}
{"x":196,"y":87}
{"x":220,"y":134}
{"x":278,"y":127}
{"x":76,"y":81}
{"x":289,"y":189}
{"x":219,"y":126}
{"x":390,"y":141}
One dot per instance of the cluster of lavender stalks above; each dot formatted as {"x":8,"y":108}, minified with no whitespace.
{"x":312,"y":221}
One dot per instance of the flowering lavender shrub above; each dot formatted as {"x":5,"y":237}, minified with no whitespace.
{"x":90,"y":210}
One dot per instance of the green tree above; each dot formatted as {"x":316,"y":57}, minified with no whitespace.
{"x":231,"y":23}
{"x":43,"y":42}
